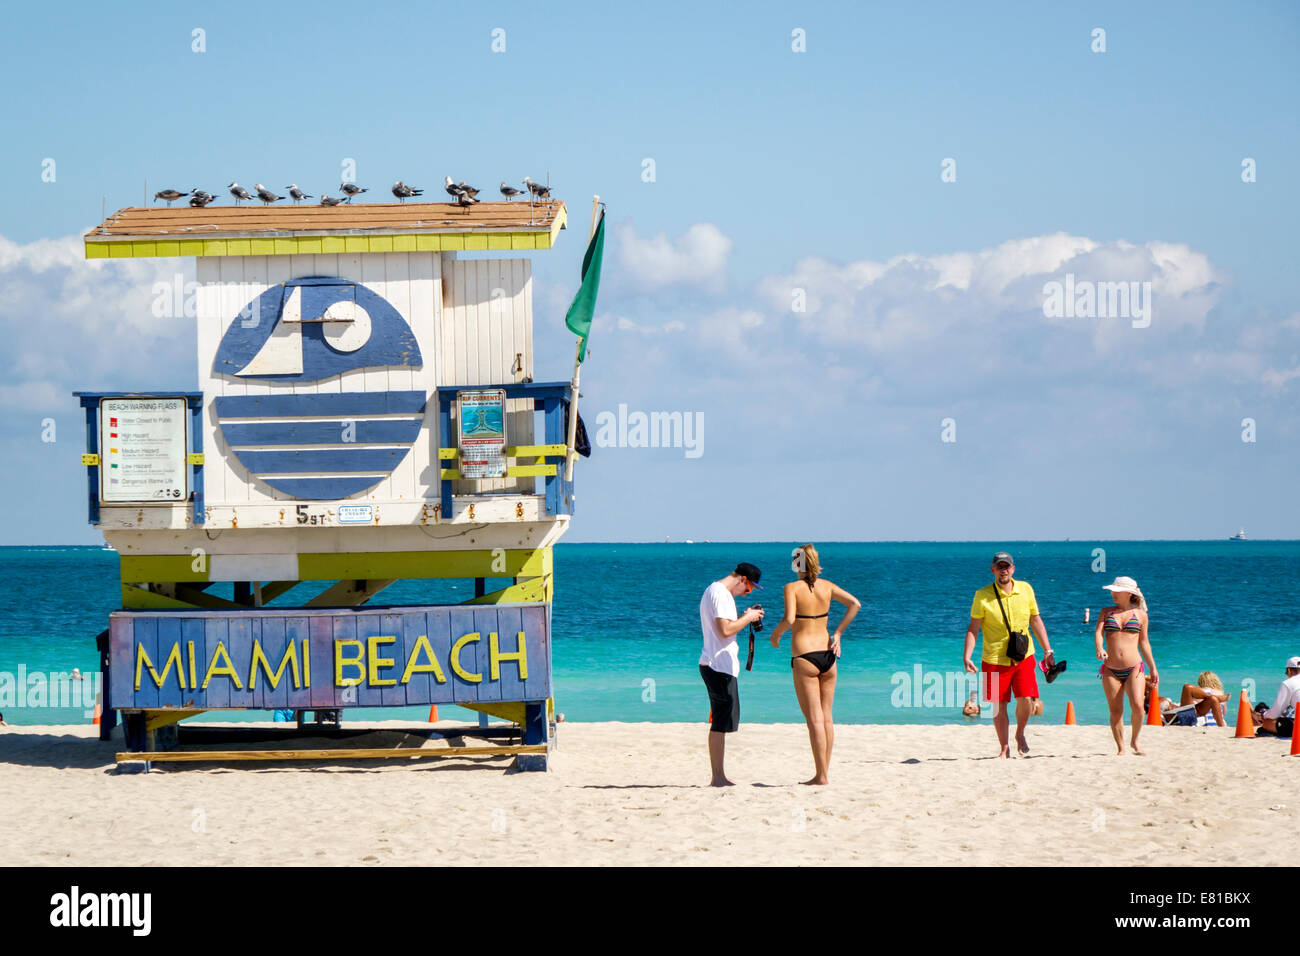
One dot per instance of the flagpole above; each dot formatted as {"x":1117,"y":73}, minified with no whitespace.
{"x":569,"y":453}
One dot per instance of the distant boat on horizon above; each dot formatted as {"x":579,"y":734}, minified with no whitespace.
{"x":1239,"y":536}
{"x":107,"y":547}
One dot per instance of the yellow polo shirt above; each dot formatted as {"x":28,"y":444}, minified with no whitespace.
{"x":1020,"y":605}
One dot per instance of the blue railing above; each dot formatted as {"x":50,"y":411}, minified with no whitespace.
{"x":550,"y":398}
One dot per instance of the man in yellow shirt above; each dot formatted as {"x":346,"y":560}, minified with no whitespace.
{"x":1002,"y":676}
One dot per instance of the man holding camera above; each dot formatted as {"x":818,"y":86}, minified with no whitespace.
{"x":720,"y":658}
{"x":1006,"y":611}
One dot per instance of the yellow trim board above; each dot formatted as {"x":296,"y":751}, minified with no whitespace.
{"x":315,"y":245}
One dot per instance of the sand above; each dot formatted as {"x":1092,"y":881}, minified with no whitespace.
{"x":632,"y":794}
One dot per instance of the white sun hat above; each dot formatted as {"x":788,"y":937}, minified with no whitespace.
{"x":1128,"y":585}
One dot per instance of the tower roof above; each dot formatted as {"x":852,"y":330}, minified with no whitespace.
{"x":136,"y":232}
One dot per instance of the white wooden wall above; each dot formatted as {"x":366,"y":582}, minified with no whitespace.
{"x":487,"y":321}
{"x":411,"y":281}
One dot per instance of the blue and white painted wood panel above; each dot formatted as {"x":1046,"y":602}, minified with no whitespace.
{"x":347,"y":657}
{"x":487,"y":329}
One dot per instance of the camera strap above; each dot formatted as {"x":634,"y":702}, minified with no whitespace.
{"x":997,"y":590}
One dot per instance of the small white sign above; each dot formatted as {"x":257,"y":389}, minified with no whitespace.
{"x":142,"y":445}
{"x":356,"y":514}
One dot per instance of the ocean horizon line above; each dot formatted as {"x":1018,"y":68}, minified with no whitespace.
{"x":823,"y":541}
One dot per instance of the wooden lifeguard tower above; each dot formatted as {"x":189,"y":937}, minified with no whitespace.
{"x":366,"y":413}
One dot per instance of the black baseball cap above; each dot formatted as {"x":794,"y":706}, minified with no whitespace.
{"x":750,"y":572}
{"x":1003,"y":556}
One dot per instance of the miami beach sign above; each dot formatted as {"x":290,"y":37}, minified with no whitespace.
{"x":308,"y":658}
{"x":304,"y":443}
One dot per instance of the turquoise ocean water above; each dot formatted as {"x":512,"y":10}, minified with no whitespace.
{"x":627,"y":635}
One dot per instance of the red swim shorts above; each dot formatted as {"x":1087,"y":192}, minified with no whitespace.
{"x":1000,"y":681}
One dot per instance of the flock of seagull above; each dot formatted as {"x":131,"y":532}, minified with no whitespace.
{"x":462,"y":194}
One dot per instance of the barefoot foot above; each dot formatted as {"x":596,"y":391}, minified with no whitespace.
{"x":724,"y":782}
{"x":1022,"y":744}
{"x":1138,"y":750}
{"x":815,"y":782}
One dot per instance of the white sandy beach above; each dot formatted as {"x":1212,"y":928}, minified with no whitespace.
{"x":633,"y":794}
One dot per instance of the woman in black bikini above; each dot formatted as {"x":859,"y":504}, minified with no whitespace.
{"x":814,"y":651}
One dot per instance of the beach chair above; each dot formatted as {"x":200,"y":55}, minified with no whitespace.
{"x":1172,"y":715}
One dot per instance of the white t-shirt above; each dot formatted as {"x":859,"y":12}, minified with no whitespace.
{"x":720,"y":652}
{"x":1287,"y":696}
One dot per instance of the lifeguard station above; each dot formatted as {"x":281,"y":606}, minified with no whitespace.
{"x":366,"y":413}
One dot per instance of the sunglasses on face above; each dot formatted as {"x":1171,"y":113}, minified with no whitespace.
{"x":1003,"y":566}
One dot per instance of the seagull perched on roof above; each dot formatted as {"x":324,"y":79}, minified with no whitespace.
{"x":327,"y":201}
{"x":404,"y":192}
{"x":537,"y":189}
{"x":199,"y":198}
{"x":510,"y":192}
{"x":265,"y":194}
{"x":169,"y":195}
{"x":239,"y":192}
{"x":296,"y":194}
{"x":462,"y":195}
{"x":352,"y":189}
{"x":470,"y":191}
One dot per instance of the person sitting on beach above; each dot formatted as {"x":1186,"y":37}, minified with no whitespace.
{"x":720,"y":659}
{"x":814,"y":652}
{"x":972,"y":706}
{"x":1124,"y":629}
{"x":1280,"y":718}
{"x":1003,"y":608}
{"x":1208,"y":695}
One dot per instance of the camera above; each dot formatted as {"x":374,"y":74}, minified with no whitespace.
{"x":755,"y":626}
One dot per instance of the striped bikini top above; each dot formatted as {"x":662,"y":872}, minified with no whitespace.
{"x":1132,"y":626}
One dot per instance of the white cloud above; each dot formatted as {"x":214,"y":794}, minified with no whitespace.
{"x":627,"y":325}
{"x":913,"y":299}
{"x":74,"y":324}
{"x":698,"y":256}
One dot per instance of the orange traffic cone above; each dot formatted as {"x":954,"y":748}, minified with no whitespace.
{"x":1154,"y":717}
{"x":1245,"y":726}
{"x":1069,"y":713}
{"x":1295,"y":743}
{"x":99,"y":709}
{"x":433,"y":713}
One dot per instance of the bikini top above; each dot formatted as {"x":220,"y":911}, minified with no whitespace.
{"x":1132,"y":626}
{"x":814,"y":617}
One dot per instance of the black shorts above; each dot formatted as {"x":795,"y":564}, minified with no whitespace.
{"x":724,"y":700}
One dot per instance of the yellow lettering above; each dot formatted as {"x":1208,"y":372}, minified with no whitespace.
{"x":142,"y":661}
{"x":306,"y":664}
{"x":227,"y":669}
{"x":412,"y":667}
{"x":377,"y":662}
{"x":259,"y":657}
{"x":495,"y":655}
{"x":455,"y":658}
{"x":340,"y":662}
{"x":194,"y":677}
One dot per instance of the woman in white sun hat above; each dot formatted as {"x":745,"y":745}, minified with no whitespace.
{"x":1123,"y":628}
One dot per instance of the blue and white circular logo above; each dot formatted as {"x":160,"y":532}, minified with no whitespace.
{"x":327,"y":445}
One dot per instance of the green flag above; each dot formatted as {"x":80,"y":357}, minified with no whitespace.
{"x":578,"y":318}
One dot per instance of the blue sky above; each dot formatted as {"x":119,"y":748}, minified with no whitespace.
{"x":774,"y":171}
